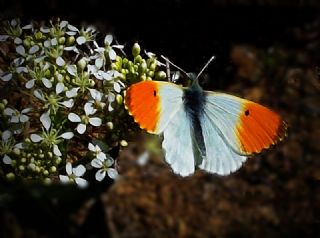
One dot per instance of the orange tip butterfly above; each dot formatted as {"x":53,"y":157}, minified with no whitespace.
{"x":212,"y":131}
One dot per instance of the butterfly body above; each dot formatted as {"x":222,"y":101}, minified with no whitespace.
{"x":203,"y":129}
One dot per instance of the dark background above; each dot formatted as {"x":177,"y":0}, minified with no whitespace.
{"x":267,"y":51}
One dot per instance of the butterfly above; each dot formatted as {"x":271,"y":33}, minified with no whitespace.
{"x":212,"y":131}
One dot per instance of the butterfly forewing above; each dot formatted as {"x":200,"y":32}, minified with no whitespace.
{"x":153,"y":104}
{"x":245,"y":126}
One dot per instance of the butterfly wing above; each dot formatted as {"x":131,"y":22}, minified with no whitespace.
{"x":234,"y":128}
{"x":158,"y":107}
{"x":177,"y":144}
{"x":153,"y":103}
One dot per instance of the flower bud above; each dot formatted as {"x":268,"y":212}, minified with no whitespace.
{"x":153,"y":66}
{"x":58,"y":160}
{"x":21,"y":168}
{"x":38,"y":35}
{"x":150,"y":73}
{"x":110,"y":125}
{"x":137,"y":59}
{"x":50,"y":155}
{"x":5,"y":101}
{"x":70,"y":40}
{"x":82,"y":63}
{"x":45,"y":172}
{"x":16,"y":151}
{"x":161,"y":75}
{"x":2,"y":106}
{"x":136,"y":49}
{"x":10,"y":176}
{"x":62,"y":40}
{"x":53,"y":169}
{"x":26,"y":43}
{"x":142,"y":67}
{"x":123,"y":143}
{"x":119,"y":99}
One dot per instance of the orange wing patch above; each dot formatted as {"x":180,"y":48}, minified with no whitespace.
{"x":143,"y":102}
{"x":259,"y":128}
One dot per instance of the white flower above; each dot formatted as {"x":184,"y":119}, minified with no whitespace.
{"x":73,"y":175}
{"x":51,"y":138}
{"x":107,"y":41}
{"x":85,"y":119}
{"x":104,"y":168}
{"x":96,"y":98}
{"x":16,"y":116}
{"x":7,"y":145}
{"x":97,"y":152}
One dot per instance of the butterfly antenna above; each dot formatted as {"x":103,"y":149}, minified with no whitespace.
{"x":209,"y":61}
{"x":168,"y":61}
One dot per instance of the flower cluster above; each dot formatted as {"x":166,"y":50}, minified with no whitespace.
{"x":65,"y":101}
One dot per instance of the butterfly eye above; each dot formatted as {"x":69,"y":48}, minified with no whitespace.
{"x":155,"y":93}
{"x":247,"y":113}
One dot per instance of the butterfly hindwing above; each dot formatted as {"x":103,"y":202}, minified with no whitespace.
{"x":219,"y":157}
{"x":177,"y":143}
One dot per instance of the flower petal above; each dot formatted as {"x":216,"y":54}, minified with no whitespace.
{"x":95,"y":121}
{"x":19,"y":70}
{"x":112,"y":173}
{"x":108,"y":39}
{"x":101,"y":156}
{"x":46,"y":120}
{"x":100,"y":175}
{"x":81,"y":40}
{"x":3,"y":37}
{"x":72,"y":92}
{"x":6,"y":77}
{"x":35,"y":138}
{"x":72,"y":28}
{"x":111,"y":97}
{"x":88,"y":109}
{"x":34,"y":49}
{"x":64,"y":179}
{"x":14,"y":119}
{"x":24,"y":118}
{"x":26,"y":110}
{"x":98,"y":63}
{"x":39,"y":94}
{"x":67,"y":135}
{"x":30,"y":83}
{"x":54,"y":41}
{"x":56,"y":150}
{"x":81,"y":128}
{"x":74,"y":117}
{"x":8,"y":111}
{"x":6,"y":135}
{"x":71,"y":33}
{"x":60,"y":61}
{"x":116,"y":87}
{"x":91,"y":147}
{"x":96,"y":163}
{"x":7,"y":159}
{"x":69,"y":103}
{"x":19,"y":145}
{"x":63,"y":24}
{"x":17,"y":41}
{"x":79,"y":170}
{"x":82,"y":183}
{"x":20,"y":50}
{"x":45,"y":29}
{"x":46,"y":82}
{"x":59,"y":88}
{"x":69,"y":168}
{"x":112,"y":54}
{"x":72,"y":69}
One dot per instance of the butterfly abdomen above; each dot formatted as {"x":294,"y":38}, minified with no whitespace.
{"x":194,"y":102}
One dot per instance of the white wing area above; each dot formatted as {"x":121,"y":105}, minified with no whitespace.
{"x":223,"y":111}
{"x":220,"y":157}
{"x":171,"y":101}
{"x":177,"y":144}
